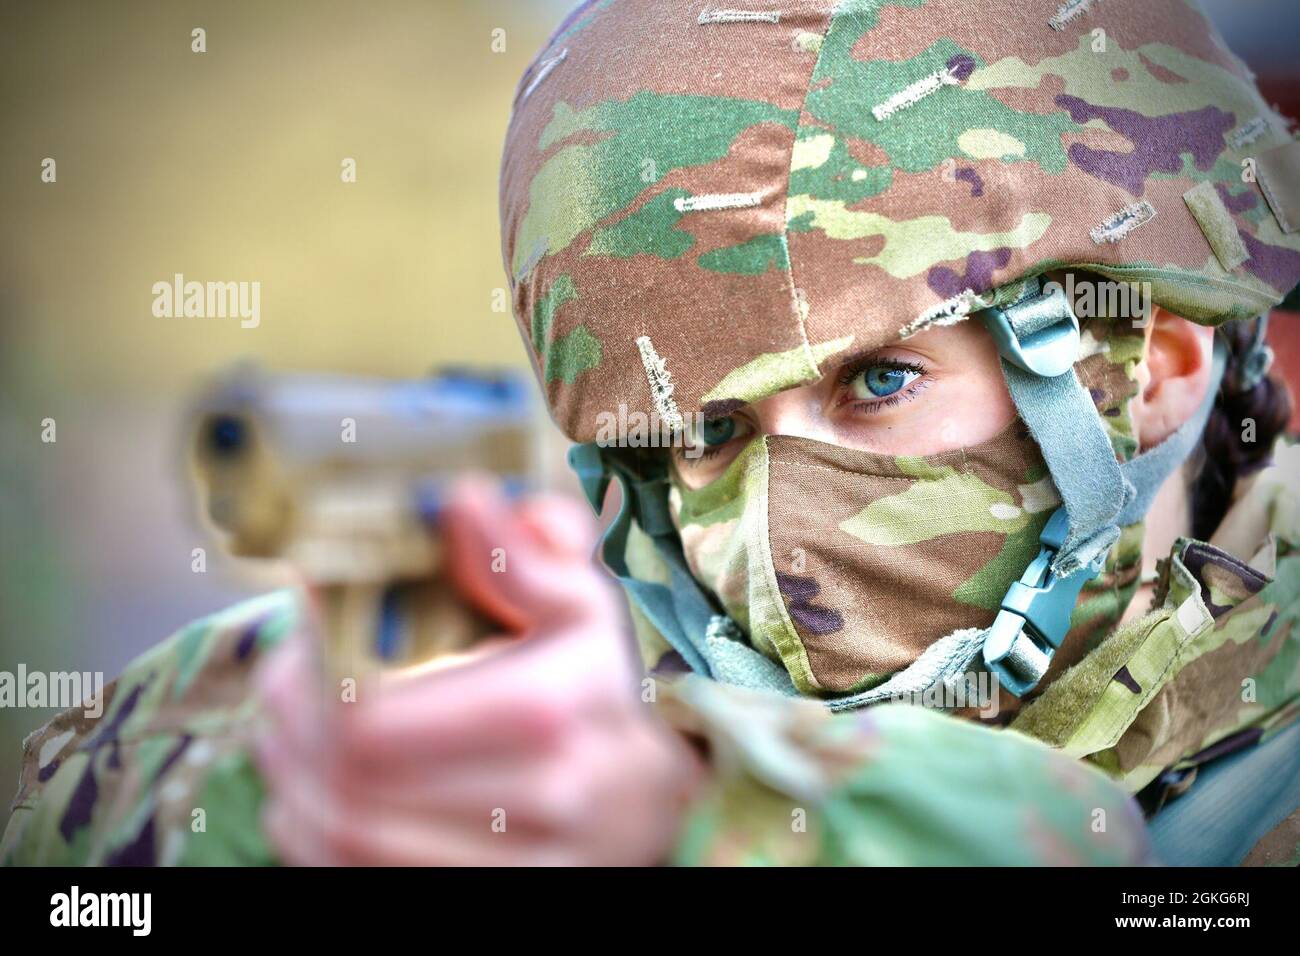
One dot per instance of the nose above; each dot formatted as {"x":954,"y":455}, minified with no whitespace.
{"x":796,"y":412}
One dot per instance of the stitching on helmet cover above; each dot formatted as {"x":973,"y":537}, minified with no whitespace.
{"x":1070,"y":11}
{"x":739,"y":16}
{"x":543,"y":71}
{"x":661,"y":383}
{"x":916,"y":92}
{"x":948,"y":312}
{"x":714,"y":201}
{"x":1123,"y":222}
{"x":1247,"y":133}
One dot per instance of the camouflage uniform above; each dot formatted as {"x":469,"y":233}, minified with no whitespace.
{"x":792,"y":783}
{"x":165,"y":774}
{"x":702,"y":207}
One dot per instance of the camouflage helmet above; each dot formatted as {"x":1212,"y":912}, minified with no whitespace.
{"x":704,"y":206}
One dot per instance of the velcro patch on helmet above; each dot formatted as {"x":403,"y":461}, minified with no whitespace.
{"x":1216,"y":222}
{"x":1278,"y":171}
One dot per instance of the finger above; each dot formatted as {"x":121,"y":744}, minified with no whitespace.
{"x":474,"y":784}
{"x":562,"y":526}
{"x":478,"y":531}
{"x":393,"y":840}
{"x":398,"y":841}
{"x":529,"y":565}
{"x":528,"y":698}
{"x":469,"y":712}
{"x":447,"y":721}
{"x":545,"y":797}
{"x":313,"y":828}
{"x":470,"y":794}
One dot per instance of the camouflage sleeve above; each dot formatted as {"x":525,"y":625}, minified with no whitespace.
{"x":162,"y":775}
{"x":895,"y":785}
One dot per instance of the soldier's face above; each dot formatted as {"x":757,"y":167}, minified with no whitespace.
{"x":935,"y":392}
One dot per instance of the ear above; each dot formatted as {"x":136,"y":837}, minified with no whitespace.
{"x":1172,"y":376}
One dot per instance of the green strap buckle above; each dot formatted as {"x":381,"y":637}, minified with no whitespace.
{"x":1035,"y":614}
{"x":1039,"y":332}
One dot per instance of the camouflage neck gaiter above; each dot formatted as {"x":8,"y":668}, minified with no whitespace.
{"x":846,"y":565}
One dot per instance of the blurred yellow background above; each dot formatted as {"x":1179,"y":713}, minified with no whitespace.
{"x":224,"y":166}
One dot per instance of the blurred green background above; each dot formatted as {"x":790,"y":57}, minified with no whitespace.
{"x":223,"y":165}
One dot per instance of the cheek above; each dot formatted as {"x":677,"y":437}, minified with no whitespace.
{"x":955,"y":411}
{"x":983,"y":407}
{"x":693,"y":476}
{"x":693,"y":473}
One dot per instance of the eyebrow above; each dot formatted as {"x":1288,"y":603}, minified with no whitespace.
{"x":861,"y":355}
{"x":722,"y":408}
{"x":856,"y":356}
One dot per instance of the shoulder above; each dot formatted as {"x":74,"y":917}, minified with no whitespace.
{"x":120,"y":780}
{"x":203,"y":667}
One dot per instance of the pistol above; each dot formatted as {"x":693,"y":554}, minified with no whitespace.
{"x":343,"y":477}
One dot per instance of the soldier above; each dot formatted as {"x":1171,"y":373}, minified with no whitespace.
{"x":859,"y":260}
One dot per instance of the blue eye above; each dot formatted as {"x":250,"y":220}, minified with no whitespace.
{"x":883,"y":380}
{"x":718,"y":431}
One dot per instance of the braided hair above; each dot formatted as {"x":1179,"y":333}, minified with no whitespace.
{"x":1231,"y":449}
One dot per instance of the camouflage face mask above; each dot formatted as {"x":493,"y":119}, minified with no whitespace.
{"x":848,"y":564}
{"x":845,"y":565}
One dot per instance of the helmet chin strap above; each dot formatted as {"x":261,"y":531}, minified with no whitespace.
{"x":1038,"y":339}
